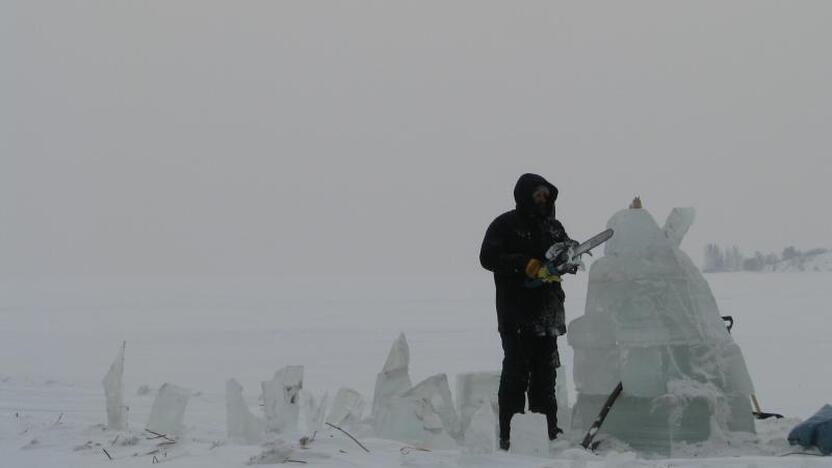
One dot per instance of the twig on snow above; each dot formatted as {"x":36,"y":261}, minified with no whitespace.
{"x":107,"y":453}
{"x":350,"y":436}
{"x":160,"y":436}
{"x":407,"y":449}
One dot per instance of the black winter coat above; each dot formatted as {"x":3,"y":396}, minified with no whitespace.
{"x":513,"y":239}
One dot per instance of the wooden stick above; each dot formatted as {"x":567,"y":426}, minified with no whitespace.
{"x":107,"y":453}
{"x":756,"y":403}
{"x":159,"y":436}
{"x":350,"y":436}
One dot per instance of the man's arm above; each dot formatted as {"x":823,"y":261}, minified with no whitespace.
{"x":565,"y":238}
{"x":494,"y":255}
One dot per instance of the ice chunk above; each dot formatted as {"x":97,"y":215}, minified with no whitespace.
{"x":281,"y":399}
{"x":243,"y":426}
{"x":347,"y":408}
{"x":167,"y":415}
{"x":313,"y":411}
{"x":481,"y":431}
{"x":473,"y":390}
{"x":562,"y":395}
{"x":435,"y":392}
{"x":394,"y":378}
{"x":114,"y":393}
{"x":423,"y":416}
{"x":413,"y":421}
{"x":529,"y":435}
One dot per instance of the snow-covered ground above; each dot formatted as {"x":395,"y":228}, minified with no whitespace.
{"x":58,"y":338}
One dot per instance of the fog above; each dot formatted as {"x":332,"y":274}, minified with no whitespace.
{"x":375,"y":137}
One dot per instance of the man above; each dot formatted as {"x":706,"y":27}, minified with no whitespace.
{"x":530,"y":312}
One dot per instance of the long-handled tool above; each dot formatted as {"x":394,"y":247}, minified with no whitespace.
{"x":596,"y":425}
{"x":758,"y":413}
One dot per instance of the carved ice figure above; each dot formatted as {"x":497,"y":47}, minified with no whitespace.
{"x":652,"y":323}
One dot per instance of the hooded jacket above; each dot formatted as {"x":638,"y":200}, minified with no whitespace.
{"x":512,"y":239}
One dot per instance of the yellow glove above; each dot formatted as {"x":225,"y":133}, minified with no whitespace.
{"x":537,"y":270}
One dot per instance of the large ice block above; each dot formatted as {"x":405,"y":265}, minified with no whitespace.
{"x":529,"y":435}
{"x":652,"y":323}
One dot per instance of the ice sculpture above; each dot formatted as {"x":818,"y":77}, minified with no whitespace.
{"x":281,"y":399}
{"x":114,"y":393}
{"x":167,"y":415}
{"x":652,"y":323}
{"x":243,"y":426}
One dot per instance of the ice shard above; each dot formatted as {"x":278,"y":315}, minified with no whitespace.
{"x":473,"y":391}
{"x":312,"y":411}
{"x":347,"y":408}
{"x":424,"y":416}
{"x":480,"y":436}
{"x":243,"y":426}
{"x":114,"y":393}
{"x":394,"y":378}
{"x":281,"y":399}
{"x":167,"y":415}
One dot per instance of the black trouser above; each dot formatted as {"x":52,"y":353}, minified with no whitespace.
{"x":529,"y":365}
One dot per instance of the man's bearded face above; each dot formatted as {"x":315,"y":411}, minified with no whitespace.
{"x":540,"y":197}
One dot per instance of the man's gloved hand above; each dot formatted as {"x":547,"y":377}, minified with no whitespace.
{"x":538,"y":270}
{"x":572,"y":244}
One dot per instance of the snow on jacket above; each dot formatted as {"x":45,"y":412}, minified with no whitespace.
{"x":513,"y":239}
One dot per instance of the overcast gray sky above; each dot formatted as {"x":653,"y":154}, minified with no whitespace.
{"x":265,"y":137}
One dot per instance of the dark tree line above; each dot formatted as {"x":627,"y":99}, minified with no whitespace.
{"x":718,"y":259}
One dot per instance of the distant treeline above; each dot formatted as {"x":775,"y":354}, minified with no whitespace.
{"x":719,"y":259}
